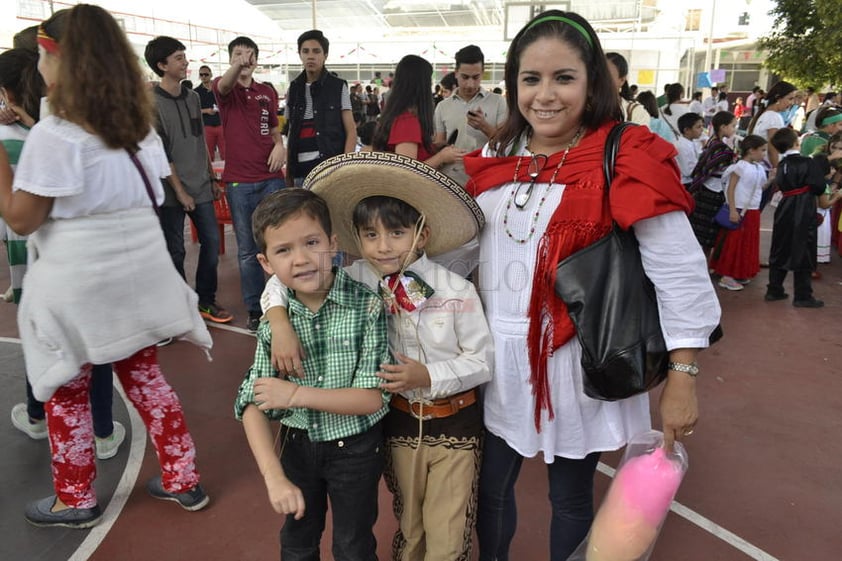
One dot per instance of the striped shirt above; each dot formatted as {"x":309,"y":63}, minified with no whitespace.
{"x":344,"y":344}
{"x":12,"y":137}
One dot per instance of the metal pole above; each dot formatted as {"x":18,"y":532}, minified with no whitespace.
{"x":710,"y":36}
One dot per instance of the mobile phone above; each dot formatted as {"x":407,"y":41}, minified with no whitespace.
{"x":472,"y":113}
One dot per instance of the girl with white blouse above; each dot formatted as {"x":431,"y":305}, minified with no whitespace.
{"x":101,"y":287}
{"x":738,"y":257}
{"x":768,"y":119}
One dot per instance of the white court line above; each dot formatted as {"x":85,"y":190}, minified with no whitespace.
{"x":124,"y":486}
{"x":707,"y":524}
{"x":233,"y":329}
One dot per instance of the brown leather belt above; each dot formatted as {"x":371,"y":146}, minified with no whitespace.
{"x":436,"y":409}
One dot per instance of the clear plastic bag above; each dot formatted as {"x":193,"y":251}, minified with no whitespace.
{"x":631,"y":514}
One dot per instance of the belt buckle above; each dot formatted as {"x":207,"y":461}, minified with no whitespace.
{"x":418,"y":416}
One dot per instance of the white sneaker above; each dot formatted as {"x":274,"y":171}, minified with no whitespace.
{"x":9,"y":295}
{"x":109,"y":446}
{"x":20,"y":418}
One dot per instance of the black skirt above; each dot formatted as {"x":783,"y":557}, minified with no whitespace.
{"x":708,"y":204}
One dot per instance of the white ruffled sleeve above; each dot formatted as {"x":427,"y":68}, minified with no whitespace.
{"x":674,"y":261}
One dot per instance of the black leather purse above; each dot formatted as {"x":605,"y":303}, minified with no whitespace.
{"x":612,"y":304}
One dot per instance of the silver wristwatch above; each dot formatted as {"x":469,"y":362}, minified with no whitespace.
{"x":691,"y":369}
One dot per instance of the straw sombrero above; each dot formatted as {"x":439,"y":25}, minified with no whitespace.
{"x":343,"y":181}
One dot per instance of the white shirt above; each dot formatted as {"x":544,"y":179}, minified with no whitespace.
{"x":710,"y":105}
{"x":677,"y":110}
{"x":688,"y":155}
{"x":448,"y":333}
{"x":749,"y":188}
{"x":697,"y":107}
{"x":769,"y":120}
{"x":687,"y":302}
{"x":58,"y":161}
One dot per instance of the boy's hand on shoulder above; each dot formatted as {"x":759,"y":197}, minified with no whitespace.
{"x":408,"y":375}
{"x":274,"y":393}
{"x":285,"y":497}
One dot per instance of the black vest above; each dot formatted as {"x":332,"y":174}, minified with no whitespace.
{"x":327,"y":114}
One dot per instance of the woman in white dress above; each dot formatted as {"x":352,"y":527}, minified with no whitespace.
{"x":540,"y":185}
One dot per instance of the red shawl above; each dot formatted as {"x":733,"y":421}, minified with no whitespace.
{"x":646,"y":183}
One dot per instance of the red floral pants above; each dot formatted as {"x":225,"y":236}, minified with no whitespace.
{"x":72,"y":437}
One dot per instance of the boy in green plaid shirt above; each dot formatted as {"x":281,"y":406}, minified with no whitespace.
{"x":332,"y":437}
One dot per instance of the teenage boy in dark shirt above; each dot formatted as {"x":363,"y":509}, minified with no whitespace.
{"x":190,"y":189}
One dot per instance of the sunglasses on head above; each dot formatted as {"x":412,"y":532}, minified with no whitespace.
{"x":204,"y":73}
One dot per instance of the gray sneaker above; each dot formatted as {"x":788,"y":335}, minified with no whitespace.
{"x":192,"y":500}
{"x":39,"y":513}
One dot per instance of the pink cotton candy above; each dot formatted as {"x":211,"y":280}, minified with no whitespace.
{"x":648,"y":484}
{"x":630,"y":517}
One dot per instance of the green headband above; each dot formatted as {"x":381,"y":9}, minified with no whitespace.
{"x":832,"y":119}
{"x":568,"y":21}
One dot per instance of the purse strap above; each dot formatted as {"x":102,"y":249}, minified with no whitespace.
{"x":612,"y":148}
{"x":146,"y":182}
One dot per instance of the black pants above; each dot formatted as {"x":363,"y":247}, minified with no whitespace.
{"x":571,"y":498}
{"x":347,"y":471}
{"x":802,"y":284}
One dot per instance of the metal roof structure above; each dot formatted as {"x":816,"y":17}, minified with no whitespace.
{"x":372,"y":17}
{"x":469,"y":19}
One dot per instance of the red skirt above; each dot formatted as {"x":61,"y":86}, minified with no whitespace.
{"x":736,"y":253}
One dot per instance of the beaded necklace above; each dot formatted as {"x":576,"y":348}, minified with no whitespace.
{"x":522,"y":199}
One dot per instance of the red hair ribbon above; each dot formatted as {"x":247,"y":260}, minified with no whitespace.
{"x":50,"y":45}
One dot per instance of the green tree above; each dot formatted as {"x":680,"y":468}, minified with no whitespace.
{"x":804,"y":45}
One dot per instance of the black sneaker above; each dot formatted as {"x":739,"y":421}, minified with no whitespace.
{"x":192,"y":500}
{"x":775,"y":296}
{"x":39,"y":513}
{"x":253,"y":322}
{"x":811,"y":303}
